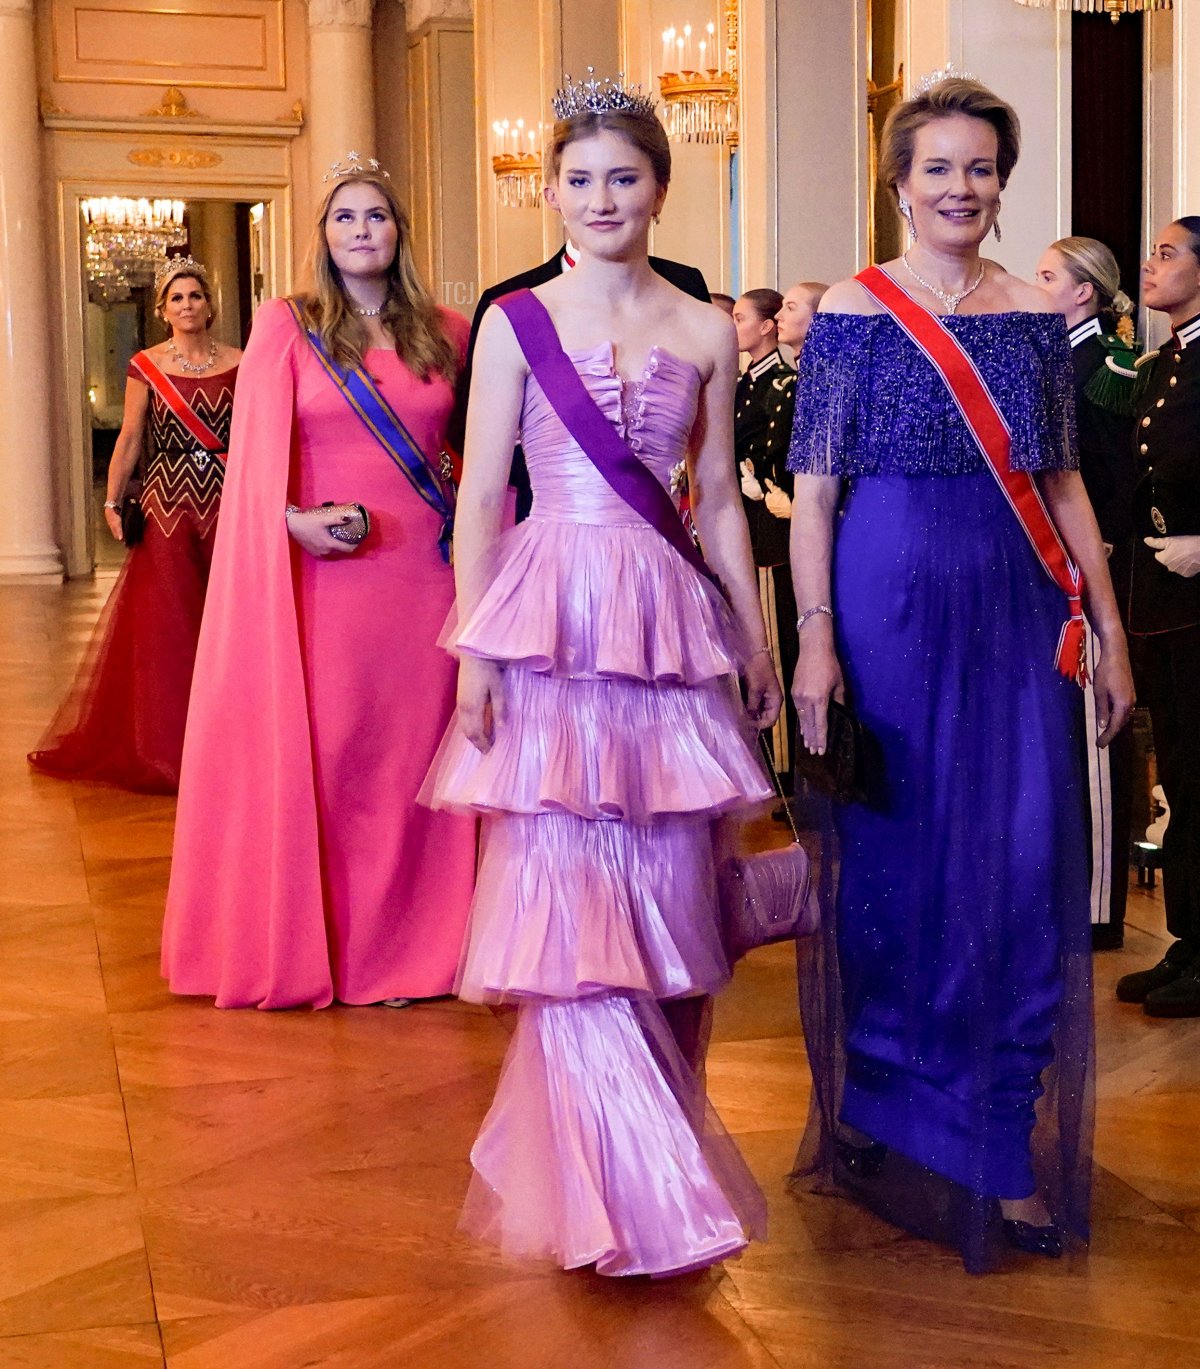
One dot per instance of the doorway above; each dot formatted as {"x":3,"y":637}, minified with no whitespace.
{"x":123,"y":243}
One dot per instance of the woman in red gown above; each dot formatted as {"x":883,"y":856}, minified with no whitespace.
{"x":122,"y":720}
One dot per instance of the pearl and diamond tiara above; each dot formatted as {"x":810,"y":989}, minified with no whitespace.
{"x":353,"y":164}
{"x":178,"y":266}
{"x":600,"y":97}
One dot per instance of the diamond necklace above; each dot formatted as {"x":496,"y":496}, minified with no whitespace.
{"x":192,"y":368}
{"x":368,"y":313}
{"x":951,"y":301}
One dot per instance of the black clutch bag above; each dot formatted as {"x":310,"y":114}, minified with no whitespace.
{"x":133,"y":521}
{"x":842,"y":771}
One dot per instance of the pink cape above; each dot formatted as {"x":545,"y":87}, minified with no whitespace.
{"x":249,"y":919}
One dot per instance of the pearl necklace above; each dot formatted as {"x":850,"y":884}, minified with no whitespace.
{"x":949,"y":299}
{"x":369,"y":313}
{"x":192,"y":368}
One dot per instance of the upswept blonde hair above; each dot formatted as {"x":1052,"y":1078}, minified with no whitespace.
{"x":409,"y":310}
{"x":160,"y":295}
{"x":1090,"y":262}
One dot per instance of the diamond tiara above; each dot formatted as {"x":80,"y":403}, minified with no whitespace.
{"x":353,"y":164}
{"x":600,"y":97}
{"x":947,"y":73}
{"x":178,"y":266}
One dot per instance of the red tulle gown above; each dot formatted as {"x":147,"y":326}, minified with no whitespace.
{"x":122,"y":721}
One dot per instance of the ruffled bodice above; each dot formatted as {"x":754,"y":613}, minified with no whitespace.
{"x":868,"y":402}
{"x":653,"y":413}
{"x":621,"y":658}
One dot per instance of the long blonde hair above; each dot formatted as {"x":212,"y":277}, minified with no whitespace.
{"x":409,"y":311}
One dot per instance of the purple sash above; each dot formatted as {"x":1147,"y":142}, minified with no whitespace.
{"x":585,"y":421}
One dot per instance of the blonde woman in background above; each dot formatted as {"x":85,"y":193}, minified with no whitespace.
{"x":123,"y":720}
{"x":1082,"y":279}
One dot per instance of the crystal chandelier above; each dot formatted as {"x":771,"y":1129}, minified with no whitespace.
{"x":125,"y":241}
{"x":1113,"y":8}
{"x":517,"y":164}
{"x":699,"y":82}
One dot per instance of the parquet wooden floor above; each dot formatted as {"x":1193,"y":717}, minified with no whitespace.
{"x":209,"y":1190}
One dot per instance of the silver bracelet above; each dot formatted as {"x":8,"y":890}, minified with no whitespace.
{"x":758,"y":651}
{"x":812,"y":613}
{"x":114,"y":504}
{"x":291,"y":508}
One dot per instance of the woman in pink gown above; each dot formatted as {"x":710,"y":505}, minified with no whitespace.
{"x":303,"y":869}
{"x":601,"y":731}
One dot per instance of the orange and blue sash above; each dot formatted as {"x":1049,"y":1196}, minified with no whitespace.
{"x":988,"y":427}
{"x":386,"y":427}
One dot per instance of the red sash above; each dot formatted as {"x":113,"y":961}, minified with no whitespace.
{"x":990,"y":431}
{"x":162,"y":385}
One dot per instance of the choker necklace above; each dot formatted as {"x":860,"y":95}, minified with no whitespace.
{"x":951,"y":301}
{"x":192,"y":368}
{"x":368,"y":313}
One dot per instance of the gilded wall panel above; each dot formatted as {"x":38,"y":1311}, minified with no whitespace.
{"x":220,"y":44}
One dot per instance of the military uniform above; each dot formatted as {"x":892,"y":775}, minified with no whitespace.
{"x":1164,"y":621}
{"x":762,"y":429}
{"x":1104,"y":385}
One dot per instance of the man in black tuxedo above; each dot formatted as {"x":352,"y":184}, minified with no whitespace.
{"x":685,"y":278}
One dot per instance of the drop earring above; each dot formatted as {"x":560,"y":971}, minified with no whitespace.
{"x":906,"y":212}
{"x":996,"y":222}
{"x":657,"y":219}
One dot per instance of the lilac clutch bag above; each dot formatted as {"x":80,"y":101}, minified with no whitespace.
{"x":769,"y":896}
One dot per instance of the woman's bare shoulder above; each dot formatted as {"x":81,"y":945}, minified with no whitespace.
{"x":848,"y":297}
{"x":1016,"y":294}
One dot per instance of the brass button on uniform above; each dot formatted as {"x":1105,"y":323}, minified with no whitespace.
{"x":1161,"y":402}
{"x":1146,"y":421}
{"x":1174,"y":381}
{"x":1143,"y":449}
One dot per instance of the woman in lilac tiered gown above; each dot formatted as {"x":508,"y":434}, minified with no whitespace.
{"x":948,"y":1001}
{"x":601,"y":732}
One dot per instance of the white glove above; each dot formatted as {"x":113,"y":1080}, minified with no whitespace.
{"x":1178,"y":554}
{"x":778,"y":502}
{"x":750,"y":486}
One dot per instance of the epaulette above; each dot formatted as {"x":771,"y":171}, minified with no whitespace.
{"x":1113,"y":386}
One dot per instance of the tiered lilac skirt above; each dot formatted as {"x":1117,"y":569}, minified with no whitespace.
{"x":622,"y":740}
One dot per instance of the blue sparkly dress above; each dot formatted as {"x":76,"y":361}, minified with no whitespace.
{"x":948,"y":1002}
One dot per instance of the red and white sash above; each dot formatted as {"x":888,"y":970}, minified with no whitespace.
{"x":991,"y":433}
{"x":168,"y":392}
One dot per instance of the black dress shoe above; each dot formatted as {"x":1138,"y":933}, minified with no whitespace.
{"x":1179,"y":998}
{"x":1034,"y":1240}
{"x":1134,"y":988}
{"x":863,"y":1162}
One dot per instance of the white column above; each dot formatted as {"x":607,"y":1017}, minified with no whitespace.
{"x":341,"y":92}
{"x":1186,"y":48}
{"x":28,"y":549}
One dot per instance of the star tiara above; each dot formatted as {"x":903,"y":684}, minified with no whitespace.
{"x":354,"y":164}
{"x":947,"y":73}
{"x":600,"y":97}
{"x":178,"y":266}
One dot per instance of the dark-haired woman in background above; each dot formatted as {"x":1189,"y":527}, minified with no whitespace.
{"x":762,"y":425}
{"x":1164,"y":607}
{"x":123,"y":720}
{"x":948,"y":1012}
{"x":304,"y":871}
{"x":1082,"y":278}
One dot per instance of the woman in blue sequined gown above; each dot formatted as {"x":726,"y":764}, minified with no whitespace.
{"x":948,"y":1006}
